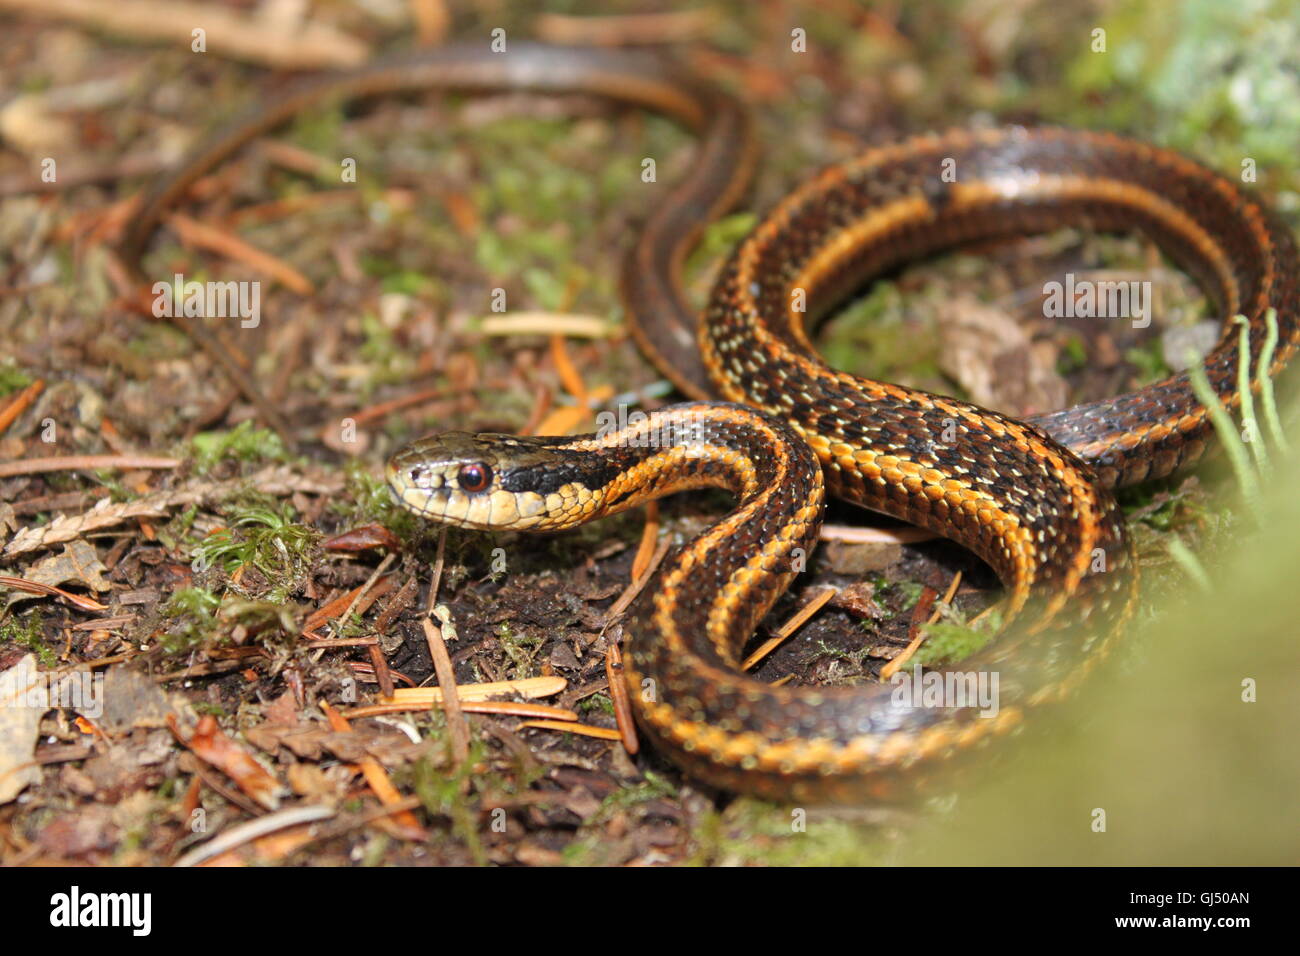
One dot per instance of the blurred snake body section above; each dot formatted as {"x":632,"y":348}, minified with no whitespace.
{"x":1030,"y":498}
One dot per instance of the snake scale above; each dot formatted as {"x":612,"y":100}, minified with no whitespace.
{"x":1033,"y":499}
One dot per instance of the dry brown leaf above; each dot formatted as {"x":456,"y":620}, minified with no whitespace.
{"x":132,"y":700}
{"x":19,"y":724}
{"x":314,"y":741}
{"x":212,"y":746}
{"x":77,"y":563}
{"x":992,"y":355}
{"x":105,"y":514}
{"x":282,"y":711}
{"x":88,"y":829}
{"x":310,"y":781}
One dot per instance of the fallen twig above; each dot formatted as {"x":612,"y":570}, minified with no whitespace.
{"x":258,"y":39}
{"x":253,"y":829}
{"x":37,"y":466}
{"x":19,"y":403}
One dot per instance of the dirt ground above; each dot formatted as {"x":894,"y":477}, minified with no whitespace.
{"x":249,"y":599}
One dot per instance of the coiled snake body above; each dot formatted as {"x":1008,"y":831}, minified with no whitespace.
{"x":1030,"y":498}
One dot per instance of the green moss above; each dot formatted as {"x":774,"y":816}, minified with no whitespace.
{"x":948,"y":642}
{"x":199,"y":619}
{"x":552,"y":289}
{"x":407,"y":282}
{"x":12,"y":378}
{"x":911,"y":592}
{"x":244,"y":442}
{"x":596,"y":704}
{"x":29,"y":631}
{"x":854,"y":657}
{"x":592,"y":846}
{"x":389,"y":362}
{"x":442,"y":792}
{"x":1178,"y":509}
{"x":1074,"y":356}
{"x":885,"y":335}
{"x":178,"y":528}
{"x":721,"y":237}
{"x":522,"y":649}
{"x":267,"y":539}
{"x":1149,"y":360}
{"x":320,"y":130}
{"x":751,"y":832}
{"x":192,"y":621}
{"x":1212,"y":78}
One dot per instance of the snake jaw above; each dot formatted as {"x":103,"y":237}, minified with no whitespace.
{"x":425,"y":477}
{"x":875,"y":440}
{"x":484,"y":482}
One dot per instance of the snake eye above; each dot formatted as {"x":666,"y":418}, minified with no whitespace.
{"x":474,"y":477}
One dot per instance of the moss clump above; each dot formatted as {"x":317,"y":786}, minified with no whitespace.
{"x":266,"y":539}
{"x":244,"y":442}
{"x":1211,"y":78}
{"x":29,"y":632}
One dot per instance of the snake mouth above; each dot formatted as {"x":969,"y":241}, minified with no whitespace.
{"x":393,"y":493}
{"x":404,"y":497}
{"x":418,"y":491}
{"x":451,"y":489}
{"x":490,"y":482}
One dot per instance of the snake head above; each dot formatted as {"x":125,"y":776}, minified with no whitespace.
{"x":492,"y":482}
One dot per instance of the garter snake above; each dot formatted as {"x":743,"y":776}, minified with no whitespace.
{"x":1033,"y":499}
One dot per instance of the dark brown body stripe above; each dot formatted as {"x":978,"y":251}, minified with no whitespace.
{"x":1031,"y":497}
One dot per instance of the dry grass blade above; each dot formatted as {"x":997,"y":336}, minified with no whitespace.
{"x":19,"y":404}
{"x":789,"y":627}
{"x":32,"y":587}
{"x":531,"y":687}
{"x":435,"y":635}
{"x":585,"y":730}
